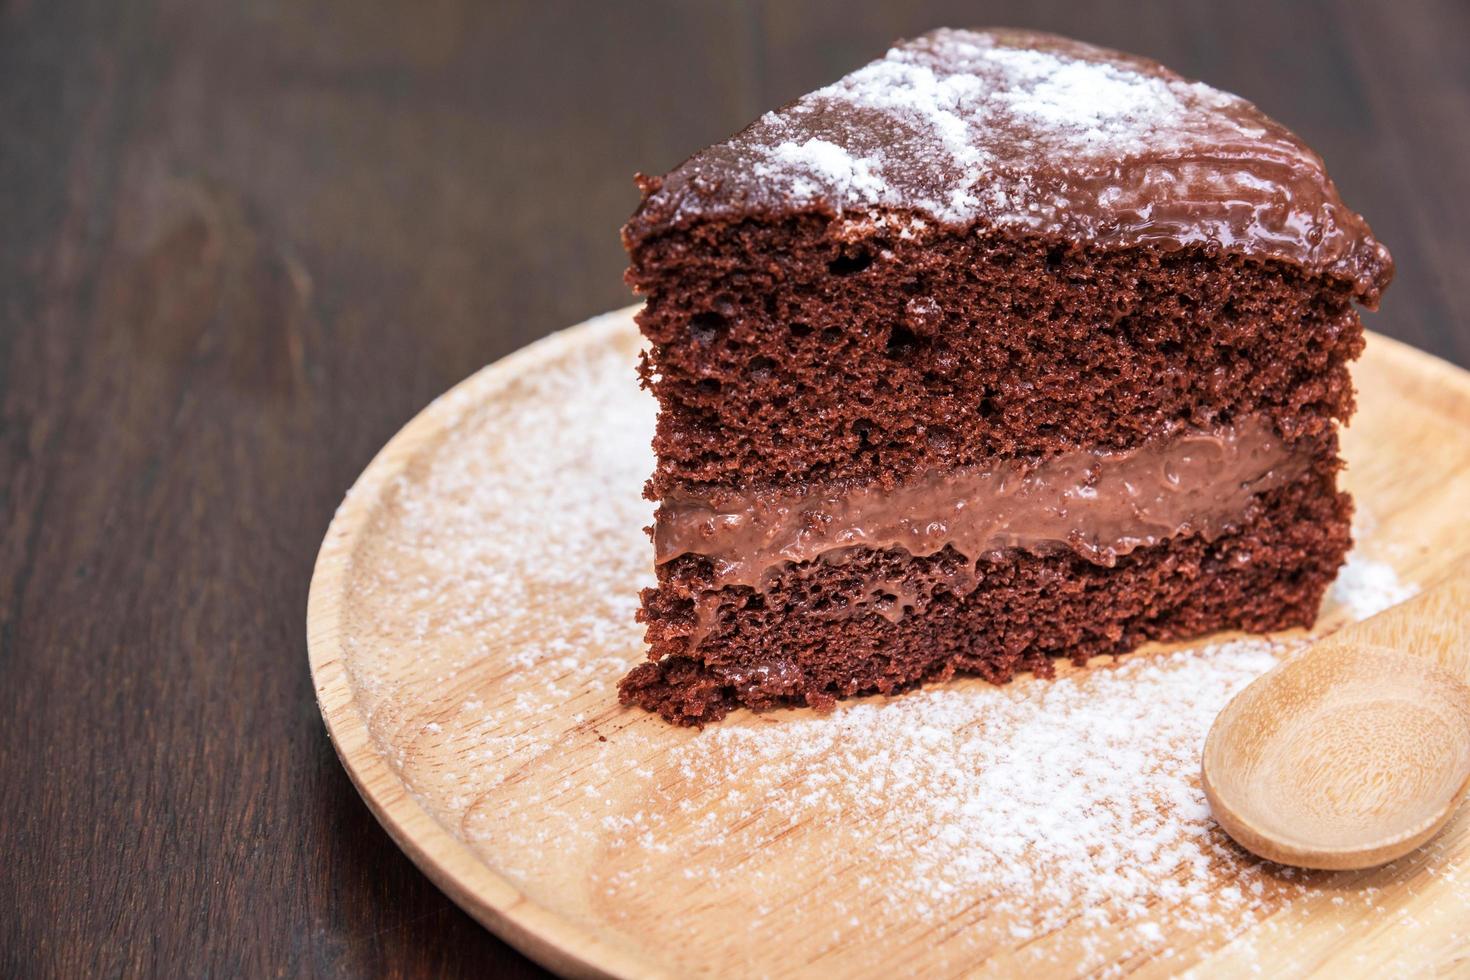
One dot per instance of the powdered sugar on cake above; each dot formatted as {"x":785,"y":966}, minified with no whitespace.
{"x":974,"y":112}
{"x":817,"y":165}
{"x":492,"y":615}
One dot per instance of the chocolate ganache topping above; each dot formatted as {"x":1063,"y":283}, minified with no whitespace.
{"x":1101,"y":504}
{"x":966,"y":130}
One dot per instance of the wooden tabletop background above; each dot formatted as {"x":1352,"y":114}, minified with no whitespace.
{"x":242,"y":243}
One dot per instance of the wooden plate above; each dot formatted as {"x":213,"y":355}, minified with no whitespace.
{"x":472,"y":611}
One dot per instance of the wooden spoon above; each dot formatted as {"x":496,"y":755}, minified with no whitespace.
{"x":1357,"y":750}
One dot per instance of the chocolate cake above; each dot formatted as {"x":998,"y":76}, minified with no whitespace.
{"x":1002,"y":348}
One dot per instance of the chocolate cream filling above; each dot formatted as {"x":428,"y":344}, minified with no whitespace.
{"x":1100,"y":504}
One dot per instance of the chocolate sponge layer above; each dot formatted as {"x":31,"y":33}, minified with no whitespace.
{"x":793,"y":347}
{"x":792,"y":642}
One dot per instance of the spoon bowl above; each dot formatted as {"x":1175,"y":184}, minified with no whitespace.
{"x":1345,"y":757}
{"x":1356,"y":751}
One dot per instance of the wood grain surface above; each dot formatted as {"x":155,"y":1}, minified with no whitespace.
{"x":242,"y":244}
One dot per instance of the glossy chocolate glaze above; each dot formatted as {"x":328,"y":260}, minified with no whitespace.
{"x":1098,"y":504}
{"x":964,"y":131}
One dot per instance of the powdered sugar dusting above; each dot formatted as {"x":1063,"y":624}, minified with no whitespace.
{"x":828,"y":165}
{"x":970,"y":112}
{"x":1368,"y":587}
{"x":1059,"y":823}
{"x":1038,"y":800}
{"x":1084,"y":105}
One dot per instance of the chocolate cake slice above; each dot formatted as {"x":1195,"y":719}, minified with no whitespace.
{"x":1001,"y":348}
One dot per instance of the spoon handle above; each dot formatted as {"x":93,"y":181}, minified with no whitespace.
{"x":1434,"y":624}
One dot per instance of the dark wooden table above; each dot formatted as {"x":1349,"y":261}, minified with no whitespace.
{"x":242,"y":243}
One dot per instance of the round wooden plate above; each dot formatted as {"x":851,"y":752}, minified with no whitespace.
{"x":471,"y":613}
